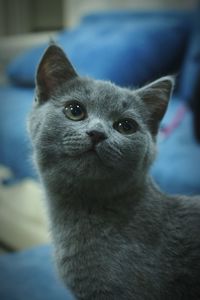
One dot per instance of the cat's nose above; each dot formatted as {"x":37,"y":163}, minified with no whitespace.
{"x":96,"y":136}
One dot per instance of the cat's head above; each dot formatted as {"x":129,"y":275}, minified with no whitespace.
{"x":92,"y":128}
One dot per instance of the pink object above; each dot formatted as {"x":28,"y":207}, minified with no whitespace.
{"x":167,"y":130}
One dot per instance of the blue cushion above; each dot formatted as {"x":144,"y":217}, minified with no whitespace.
{"x":190,"y":80}
{"x":30,"y":275}
{"x":130,"y":50}
{"x":132,"y":15}
{"x":176,"y":169}
{"x":191,"y":66}
{"x":15,"y":150}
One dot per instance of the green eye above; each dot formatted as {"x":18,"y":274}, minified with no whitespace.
{"x":74,"y":111}
{"x":126,"y":126}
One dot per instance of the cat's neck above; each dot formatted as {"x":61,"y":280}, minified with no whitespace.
{"x":78,"y":211}
{"x":75,"y":192}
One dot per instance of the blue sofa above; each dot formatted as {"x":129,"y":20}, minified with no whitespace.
{"x":130,"y":49}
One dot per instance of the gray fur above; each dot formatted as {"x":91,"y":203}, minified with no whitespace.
{"x":115,"y":234}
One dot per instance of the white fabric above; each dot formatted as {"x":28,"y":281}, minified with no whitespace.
{"x":22,"y":215}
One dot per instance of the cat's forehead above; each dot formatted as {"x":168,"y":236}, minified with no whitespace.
{"x":99,"y":94}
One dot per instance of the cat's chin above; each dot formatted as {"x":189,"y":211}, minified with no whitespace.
{"x":88,"y":155}
{"x":94,"y":161}
{"x":91,"y":154}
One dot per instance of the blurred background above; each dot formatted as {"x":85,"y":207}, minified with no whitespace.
{"x":40,"y":18}
{"x":129,"y":42}
{"x":28,"y":16}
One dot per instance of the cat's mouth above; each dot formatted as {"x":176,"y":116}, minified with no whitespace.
{"x":91,"y":151}
{"x":92,"y":154}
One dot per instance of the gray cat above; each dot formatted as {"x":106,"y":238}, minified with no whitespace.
{"x":115,"y":234}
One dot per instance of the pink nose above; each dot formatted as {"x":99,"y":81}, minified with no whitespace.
{"x":96,"y":136}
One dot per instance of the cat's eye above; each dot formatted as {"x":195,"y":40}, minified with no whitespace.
{"x":126,"y":126}
{"x":74,"y":111}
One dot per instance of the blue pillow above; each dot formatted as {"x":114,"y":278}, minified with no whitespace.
{"x":15,"y":148}
{"x":30,"y":274}
{"x":128,"y":51}
{"x":132,"y":15}
{"x":191,"y":65}
{"x":176,"y":168}
{"x":190,"y":80}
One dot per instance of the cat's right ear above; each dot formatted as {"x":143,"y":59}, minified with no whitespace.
{"x":156,"y":96}
{"x":54,"y":69}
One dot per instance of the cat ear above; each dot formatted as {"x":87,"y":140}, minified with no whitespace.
{"x":53,"y":70}
{"x":156,"y":96}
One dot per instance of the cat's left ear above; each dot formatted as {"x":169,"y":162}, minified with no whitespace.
{"x":156,"y":96}
{"x":54,"y":69}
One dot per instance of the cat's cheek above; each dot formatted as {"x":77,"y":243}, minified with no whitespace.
{"x":133,"y":152}
{"x":75,"y":145}
{"x":74,"y":152}
{"x":149,"y":151}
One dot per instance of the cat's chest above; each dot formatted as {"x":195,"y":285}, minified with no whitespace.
{"x":83,"y":248}
{"x":91,"y":246}
{"x":85,"y":237}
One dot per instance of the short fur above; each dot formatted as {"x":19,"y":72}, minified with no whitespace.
{"x":115,"y":234}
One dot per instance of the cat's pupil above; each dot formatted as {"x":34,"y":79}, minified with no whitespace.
{"x":126,"y":126}
{"x":76,"y":110}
